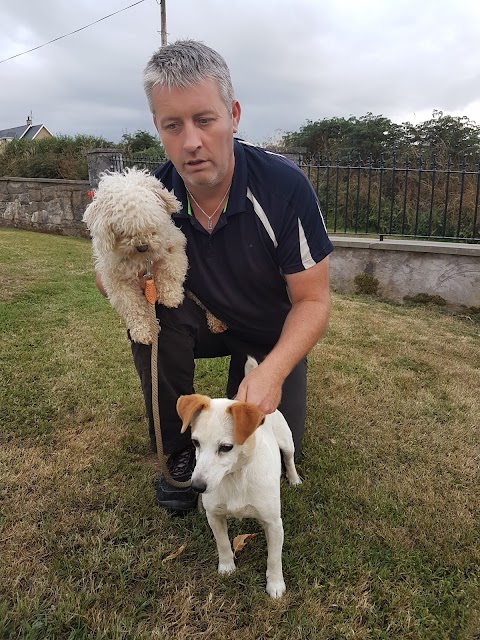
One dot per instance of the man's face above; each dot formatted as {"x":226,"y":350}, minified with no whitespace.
{"x":196,"y":129}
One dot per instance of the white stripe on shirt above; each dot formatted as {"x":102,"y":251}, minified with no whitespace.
{"x":263,"y":217}
{"x":305,"y":254}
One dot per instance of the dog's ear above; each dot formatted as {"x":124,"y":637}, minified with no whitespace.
{"x":97,"y":222}
{"x":188,"y":406}
{"x":90,"y":214}
{"x":246,"y":418}
{"x":172,"y":205}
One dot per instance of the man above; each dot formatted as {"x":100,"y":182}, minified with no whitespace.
{"x":257,"y":250}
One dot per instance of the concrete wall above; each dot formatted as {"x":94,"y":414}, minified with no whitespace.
{"x":446,"y":269}
{"x":56,"y":206}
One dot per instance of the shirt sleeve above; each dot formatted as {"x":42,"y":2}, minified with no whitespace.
{"x":304,"y":240}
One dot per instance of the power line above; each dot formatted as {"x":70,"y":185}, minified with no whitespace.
{"x":72,"y":32}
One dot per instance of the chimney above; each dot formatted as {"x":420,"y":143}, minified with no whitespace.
{"x":29,"y":121}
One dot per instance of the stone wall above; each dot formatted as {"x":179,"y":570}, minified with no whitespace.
{"x":55,"y":206}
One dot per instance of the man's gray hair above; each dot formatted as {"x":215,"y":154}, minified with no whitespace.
{"x":185,"y":63}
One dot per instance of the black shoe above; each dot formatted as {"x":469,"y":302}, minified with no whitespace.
{"x":178,"y":499}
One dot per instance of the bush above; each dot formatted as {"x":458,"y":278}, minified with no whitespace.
{"x":63,"y":157}
{"x":366,"y":284}
{"x":426,"y":298}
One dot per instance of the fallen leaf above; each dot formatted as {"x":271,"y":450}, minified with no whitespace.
{"x":240,"y":541}
{"x":176,"y":553}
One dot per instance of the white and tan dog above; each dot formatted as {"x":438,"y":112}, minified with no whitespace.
{"x":238,"y":469}
{"x":131,"y":225}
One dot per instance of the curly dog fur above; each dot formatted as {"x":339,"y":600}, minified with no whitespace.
{"x":130,"y":223}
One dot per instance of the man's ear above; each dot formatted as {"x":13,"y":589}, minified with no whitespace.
{"x":236,"y":113}
{"x":188,"y":406}
{"x":246,"y":418}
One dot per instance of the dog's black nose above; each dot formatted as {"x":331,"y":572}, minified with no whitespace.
{"x":142,"y":248}
{"x":199,"y":486}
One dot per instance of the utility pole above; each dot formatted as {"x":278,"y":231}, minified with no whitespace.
{"x":163,"y":19}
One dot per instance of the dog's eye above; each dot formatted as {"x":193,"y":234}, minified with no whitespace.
{"x":225,"y":448}
{"x":195,"y":443}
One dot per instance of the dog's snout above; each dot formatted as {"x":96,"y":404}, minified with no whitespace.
{"x":199,"y":486}
{"x":142,"y":248}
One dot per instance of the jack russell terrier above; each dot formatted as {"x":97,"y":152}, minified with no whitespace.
{"x":238,"y":469}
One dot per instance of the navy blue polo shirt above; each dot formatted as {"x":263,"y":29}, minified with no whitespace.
{"x":272,"y":226}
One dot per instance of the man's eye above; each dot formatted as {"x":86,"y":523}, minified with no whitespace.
{"x":225,"y":448}
{"x":204,"y":120}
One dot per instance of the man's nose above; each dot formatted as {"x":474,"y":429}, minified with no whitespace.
{"x":192,"y":141}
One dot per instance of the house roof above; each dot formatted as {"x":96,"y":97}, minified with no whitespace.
{"x":14,"y":132}
{"x":32,"y":131}
{"x":25,"y":131}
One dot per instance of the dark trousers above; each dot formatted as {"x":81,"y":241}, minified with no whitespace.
{"x":184,"y":336}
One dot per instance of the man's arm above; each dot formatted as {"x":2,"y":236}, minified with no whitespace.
{"x":306,"y":322}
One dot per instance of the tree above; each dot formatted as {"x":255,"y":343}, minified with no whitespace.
{"x":449,"y":135}
{"x":140,"y":141}
{"x":322,"y":137}
{"x":372,"y":135}
{"x":347,"y":138}
{"x":378,"y":136}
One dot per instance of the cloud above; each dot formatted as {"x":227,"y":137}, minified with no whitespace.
{"x":290,"y":61}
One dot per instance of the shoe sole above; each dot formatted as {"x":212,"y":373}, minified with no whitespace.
{"x":177,"y":506}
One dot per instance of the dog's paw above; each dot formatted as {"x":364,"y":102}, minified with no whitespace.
{"x":226,"y":568}
{"x":276,"y":589}
{"x":171,"y":299}
{"x":294,"y":479}
{"x":144,"y":336}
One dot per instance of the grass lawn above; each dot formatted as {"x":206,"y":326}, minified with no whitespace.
{"x":382,"y":540}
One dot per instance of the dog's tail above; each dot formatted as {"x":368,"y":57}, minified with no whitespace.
{"x":250,"y":364}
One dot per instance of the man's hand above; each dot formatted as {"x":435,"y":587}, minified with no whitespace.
{"x":262,"y":388}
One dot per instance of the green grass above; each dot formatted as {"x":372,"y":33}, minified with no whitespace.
{"x":381,"y":540}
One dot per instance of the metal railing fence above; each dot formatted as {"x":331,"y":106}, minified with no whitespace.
{"x":410,"y":198}
{"x":418,"y":198}
{"x":121,"y":161}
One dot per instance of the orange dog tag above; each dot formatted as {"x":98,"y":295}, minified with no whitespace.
{"x":150,"y":291}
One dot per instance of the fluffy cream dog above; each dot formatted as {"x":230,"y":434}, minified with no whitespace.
{"x":238,"y":469}
{"x":131,"y":227}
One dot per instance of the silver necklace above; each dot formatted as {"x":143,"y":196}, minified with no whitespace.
{"x":210,"y":217}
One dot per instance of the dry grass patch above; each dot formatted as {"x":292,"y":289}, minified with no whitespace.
{"x":381,"y":540}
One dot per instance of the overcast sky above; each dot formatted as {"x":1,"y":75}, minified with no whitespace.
{"x":291,"y":61}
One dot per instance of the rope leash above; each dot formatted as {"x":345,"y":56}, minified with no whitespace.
{"x":151,"y":296}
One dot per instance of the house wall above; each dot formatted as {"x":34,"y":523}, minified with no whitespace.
{"x":43,"y":133}
{"x":55,"y":206}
